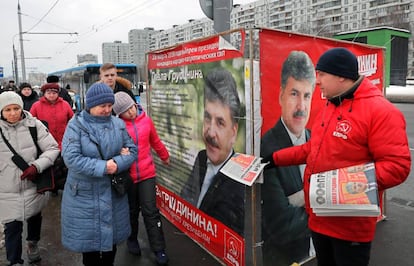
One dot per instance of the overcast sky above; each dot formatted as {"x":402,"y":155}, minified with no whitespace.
{"x":95,"y":21}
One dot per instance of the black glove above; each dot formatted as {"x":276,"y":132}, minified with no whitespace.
{"x":269,"y":161}
{"x":30,"y":173}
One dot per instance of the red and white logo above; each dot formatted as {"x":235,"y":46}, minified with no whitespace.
{"x":232,"y":249}
{"x":342,"y":129}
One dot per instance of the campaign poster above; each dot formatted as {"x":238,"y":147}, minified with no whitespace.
{"x":275,"y":47}
{"x":284,"y":220}
{"x":196,"y":101}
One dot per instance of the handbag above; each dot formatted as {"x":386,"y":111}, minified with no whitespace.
{"x":120,"y":182}
{"x":45,"y":181}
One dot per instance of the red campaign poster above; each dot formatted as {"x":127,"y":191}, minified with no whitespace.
{"x":177,"y":82}
{"x":210,"y":233}
{"x":275,"y":47}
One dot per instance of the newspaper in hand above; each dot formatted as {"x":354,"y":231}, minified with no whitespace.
{"x":349,"y":191}
{"x":243,"y":168}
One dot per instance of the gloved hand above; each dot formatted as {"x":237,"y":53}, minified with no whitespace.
{"x":269,"y":160}
{"x":30,"y":173}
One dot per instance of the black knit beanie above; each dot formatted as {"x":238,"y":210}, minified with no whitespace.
{"x":339,"y":62}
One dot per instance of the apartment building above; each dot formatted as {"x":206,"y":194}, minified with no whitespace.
{"x":115,"y":52}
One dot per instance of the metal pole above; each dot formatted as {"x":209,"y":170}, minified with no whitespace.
{"x":15,"y":68}
{"x":21,"y":43}
{"x":221,"y":15}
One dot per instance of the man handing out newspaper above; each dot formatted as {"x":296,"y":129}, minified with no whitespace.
{"x":358,"y":125}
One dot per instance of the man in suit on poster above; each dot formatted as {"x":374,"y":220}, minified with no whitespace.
{"x":207,"y":188}
{"x":284,"y":221}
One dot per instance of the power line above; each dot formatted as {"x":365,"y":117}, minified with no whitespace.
{"x":41,"y":19}
{"x":122,"y":16}
{"x":116,"y":19}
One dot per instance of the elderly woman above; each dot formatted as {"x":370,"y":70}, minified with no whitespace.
{"x":53,"y":110}
{"x":96,"y":145}
{"x":19,"y":200}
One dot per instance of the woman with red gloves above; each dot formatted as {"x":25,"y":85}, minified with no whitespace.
{"x":19,"y":200}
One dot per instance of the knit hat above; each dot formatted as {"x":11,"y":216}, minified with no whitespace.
{"x":339,"y":62}
{"x":97,"y":94}
{"x":10,"y":97}
{"x":24,"y":85}
{"x":50,"y":86}
{"x":52,"y":79}
{"x":122,"y":102}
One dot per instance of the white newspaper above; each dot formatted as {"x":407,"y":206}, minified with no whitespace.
{"x":349,"y":191}
{"x":243,"y":168}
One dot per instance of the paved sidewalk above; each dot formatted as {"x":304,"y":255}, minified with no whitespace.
{"x":392,"y":245}
{"x":394,"y":239}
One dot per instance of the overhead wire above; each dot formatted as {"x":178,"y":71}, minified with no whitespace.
{"x":122,"y":16}
{"x":138,"y":7}
{"x":126,"y":13}
{"x":45,"y":15}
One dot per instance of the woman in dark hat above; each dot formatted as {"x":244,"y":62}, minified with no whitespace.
{"x":54,"y":110}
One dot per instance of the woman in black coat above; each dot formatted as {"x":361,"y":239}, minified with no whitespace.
{"x":28,"y":95}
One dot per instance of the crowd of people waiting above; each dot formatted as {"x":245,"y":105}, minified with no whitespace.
{"x":95,"y":146}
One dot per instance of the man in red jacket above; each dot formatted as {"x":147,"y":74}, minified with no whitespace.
{"x":357,"y":125}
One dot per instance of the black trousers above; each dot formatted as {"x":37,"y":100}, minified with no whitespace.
{"x":141,"y":197}
{"x":336,"y":252}
{"x":13,"y":236}
{"x":98,"y":258}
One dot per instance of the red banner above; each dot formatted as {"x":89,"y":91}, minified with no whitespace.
{"x":206,"y":50}
{"x":220,"y":240}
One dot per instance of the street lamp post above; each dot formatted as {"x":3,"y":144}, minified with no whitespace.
{"x":15,"y":70}
{"x":21,"y":43}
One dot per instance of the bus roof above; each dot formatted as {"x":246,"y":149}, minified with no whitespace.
{"x":84,"y":67}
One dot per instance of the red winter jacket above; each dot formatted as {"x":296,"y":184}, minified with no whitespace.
{"x":144,"y":135}
{"x":363,"y":129}
{"x":57,"y":116}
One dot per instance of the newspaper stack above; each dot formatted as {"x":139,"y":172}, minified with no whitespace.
{"x":349,"y":191}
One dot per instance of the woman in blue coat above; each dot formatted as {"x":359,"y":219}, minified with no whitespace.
{"x":95,"y":145}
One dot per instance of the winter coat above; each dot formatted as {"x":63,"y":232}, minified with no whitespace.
{"x":28,"y":101}
{"x":55,"y":114}
{"x":93,"y":216}
{"x":122,"y":84}
{"x":144,"y":135}
{"x":18,"y":198}
{"x":354,"y":129}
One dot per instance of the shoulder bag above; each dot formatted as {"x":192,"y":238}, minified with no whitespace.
{"x":45,"y":180}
